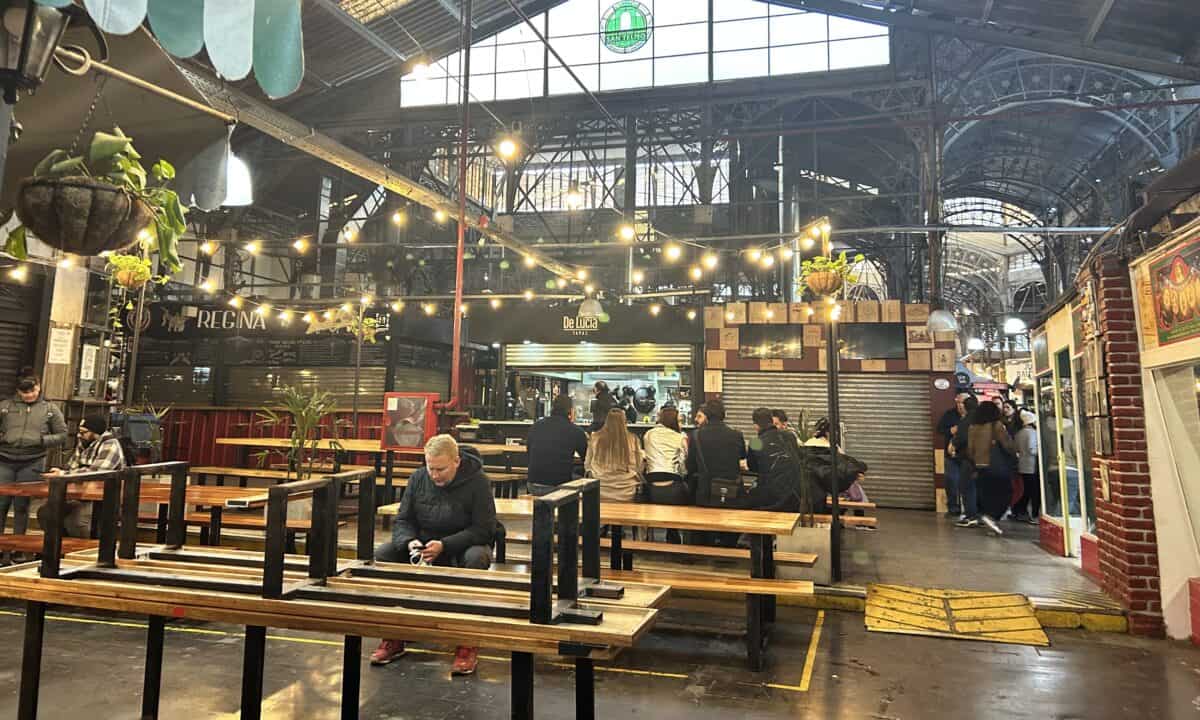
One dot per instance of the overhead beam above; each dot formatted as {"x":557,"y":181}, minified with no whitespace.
{"x":260,"y":116}
{"x":1046,"y":42}
{"x":1097,"y":21}
{"x":361,"y":30}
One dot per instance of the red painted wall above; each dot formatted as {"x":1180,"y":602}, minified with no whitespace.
{"x":1051,"y":537}
{"x":1090,"y":555}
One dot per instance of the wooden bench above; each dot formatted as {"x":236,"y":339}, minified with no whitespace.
{"x":723,"y":553}
{"x":33,"y":543}
{"x":237,"y":521}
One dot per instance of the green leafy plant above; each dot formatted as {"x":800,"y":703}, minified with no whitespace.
{"x":112,"y":158}
{"x":306,"y":412}
{"x":838,"y":264}
{"x":130,"y":271}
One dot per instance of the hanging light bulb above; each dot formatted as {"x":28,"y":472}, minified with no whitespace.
{"x":561,"y":283}
{"x":285,"y":317}
{"x":420,"y":70}
{"x":581,"y":274}
{"x":19,"y":273}
{"x":589,"y":289}
{"x":806,"y":243}
{"x":528,"y":295}
{"x":709,"y":261}
{"x":815,"y":231}
{"x":729,"y":316}
{"x":208,"y":286}
{"x":301,"y":245}
{"x":346,"y":307}
{"x":786,"y":253}
{"x":770,"y":314}
{"x":835,"y":313}
{"x":696,"y":272}
{"x":308,"y":318}
{"x":429,"y":308}
{"x":208,"y":247}
{"x":463,"y":308}
{"x":66,"y":262}
{"x":253,"y":247}
{"x":530,"y":262}
{"x":755,"y":254}
{"x":691,"y":314}
{"x":627,"y":233}
{"x":440,"y":216}
{"x":263,"y":309}
{"x":495,"y":303}
{"x":507,"y":148}
{"x":235,"y":301}
{"x":328,"y":314}
{"x":575,"y":197}
{"x":366,"y":299}
{"x":350,"y":233}
{"x":638,"y":277}
{"x":826,"y":228}
{"x":655,"y":309}
{"x":768,"y":261}
{"x":672,"y":252}
{"x":397,"y":306}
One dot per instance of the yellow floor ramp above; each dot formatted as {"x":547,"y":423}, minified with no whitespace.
{"x":990,"y":617}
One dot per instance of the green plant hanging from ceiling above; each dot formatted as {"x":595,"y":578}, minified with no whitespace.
{"x":265,"y":35}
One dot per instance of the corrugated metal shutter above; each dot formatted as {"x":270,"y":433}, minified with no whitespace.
{"x":256,"y":386}
{"x":589,"y":355}
{"x":886,"y":420}
{"x":14,"y":349}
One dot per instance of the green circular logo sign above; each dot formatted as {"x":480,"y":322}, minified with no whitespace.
{"x":626,"y":26}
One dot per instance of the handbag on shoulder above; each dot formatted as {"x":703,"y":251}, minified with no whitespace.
{"x":722,"y":492}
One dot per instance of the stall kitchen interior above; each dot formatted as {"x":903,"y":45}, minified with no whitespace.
{"x":597,"y":358}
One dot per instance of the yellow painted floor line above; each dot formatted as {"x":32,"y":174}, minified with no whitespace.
{"x":336,"y":643}
{"x":811,"y":658}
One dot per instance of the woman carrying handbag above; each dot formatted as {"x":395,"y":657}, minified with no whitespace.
{"x":992,"y":452}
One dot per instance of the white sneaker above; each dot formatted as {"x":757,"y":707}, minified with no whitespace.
{"x":991,"y":524}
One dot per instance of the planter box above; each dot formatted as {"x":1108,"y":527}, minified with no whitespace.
{"x":810,"y":540}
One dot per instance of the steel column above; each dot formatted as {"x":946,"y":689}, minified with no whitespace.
{"x":253,"y":659}
{"x":31,"y":660}
{"x":152,"y":683}
{"x":351,"y":676}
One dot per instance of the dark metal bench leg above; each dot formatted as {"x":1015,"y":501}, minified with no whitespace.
{"x":253,"y":659}
{"x":154,"y":660}
{"x":160,"y":527}
{"x":615,"y":558}
{"x":522,"y":686}
{"x":289,"y":544}
{"x":214,"y":525}
{"x":31,"y":660}
{"x":585,"y":689}
{"x":769,"y":572}
{"x":351,"y":676}
{"x":757,"y":605}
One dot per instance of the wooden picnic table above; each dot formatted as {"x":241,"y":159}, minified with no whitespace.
{"x":762,"y":527}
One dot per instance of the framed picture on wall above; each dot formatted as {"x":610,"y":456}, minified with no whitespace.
{"x":408,"y":420}
{"x":918,"y":337}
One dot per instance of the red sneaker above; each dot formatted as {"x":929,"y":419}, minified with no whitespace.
{"x":388,"y":651}
{"x":465,"y":660}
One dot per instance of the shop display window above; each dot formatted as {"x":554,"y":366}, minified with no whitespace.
{"x":1178,"y":393}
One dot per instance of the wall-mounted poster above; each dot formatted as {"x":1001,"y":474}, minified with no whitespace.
{"x":409,"y":420}
{"x":1175,"y":285}
{"x":919,"y":337}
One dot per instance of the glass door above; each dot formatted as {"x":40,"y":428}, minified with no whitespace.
{"x":1049,"y":448}
{"x":1063,"y":467}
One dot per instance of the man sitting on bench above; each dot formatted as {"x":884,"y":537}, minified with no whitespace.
{"x":96,"y":450}
{"x":447,"y":517}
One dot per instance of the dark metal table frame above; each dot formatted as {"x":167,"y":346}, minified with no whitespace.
{"x":560,"y":509}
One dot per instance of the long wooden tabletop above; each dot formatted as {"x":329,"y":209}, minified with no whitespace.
{"x":364,"y":446}
{"x":681,"y":517}
{"x":197,"y":495}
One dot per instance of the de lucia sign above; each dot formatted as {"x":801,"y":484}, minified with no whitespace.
{"x":626,"y":26}
{"x":580,"y":325}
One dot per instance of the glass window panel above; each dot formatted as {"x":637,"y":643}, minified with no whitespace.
{"x":576,"y":50}
{"x":864,"y":52}
{"x":524,"y":84}
{"x":741,"y":64}
{"x":842,"y":28}
{"x":449,"y":65}
{"x":740,"y":34}
{"x":483,"y":87}
{"x":575,"y":17}
{"x":736,"y":9}
{"x":483,"y":56}
{"x":562,"y":84}
{"x":681,"y":39}
{"x":794,"y":59}
{"x":784,"y":10}
{"x":520,"y":32}
{"x":520,"y":56}
{"x":622,"y":75}
{"x":681,"y":70}
{"x":674,"y":12}
{"x":430,"y":91}
{"x":800,"y":28}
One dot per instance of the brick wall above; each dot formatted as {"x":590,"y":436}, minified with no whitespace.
{"x":1128,"y":551}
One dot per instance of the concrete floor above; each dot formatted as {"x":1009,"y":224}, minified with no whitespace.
{"x":93,"y":669}
{"x":924,"y":548}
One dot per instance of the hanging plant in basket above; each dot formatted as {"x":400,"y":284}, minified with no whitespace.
{"x":827,"y":275}
{"x":103,"y":202}
{"x":129,"y":271}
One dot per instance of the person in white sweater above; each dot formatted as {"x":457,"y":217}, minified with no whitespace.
{"x":1029,"y":507}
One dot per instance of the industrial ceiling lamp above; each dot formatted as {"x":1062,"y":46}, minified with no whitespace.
{"x":942,"y":321}
{"x":975,"y":344}
{"x":1014,"y":326}
{"x":29,"y":37}
{"x":591,"y":308}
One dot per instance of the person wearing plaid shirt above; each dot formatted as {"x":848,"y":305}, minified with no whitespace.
{"x":97,"y":450}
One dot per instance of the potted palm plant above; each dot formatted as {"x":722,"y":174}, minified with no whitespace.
{"x":306,"y":412}
{"x":104,"y":201}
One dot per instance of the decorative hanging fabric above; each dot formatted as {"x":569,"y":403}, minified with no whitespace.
{"x":240,"y":35}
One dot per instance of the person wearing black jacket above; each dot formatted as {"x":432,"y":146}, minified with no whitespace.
{"x":552,"y":445}
{"x":723,"y":448}
{"x":601,"y":404}
{"x":818,"y":459}
{"x":947,"y":426}
{"x":774,"y":456}
{"x":447,"y":517}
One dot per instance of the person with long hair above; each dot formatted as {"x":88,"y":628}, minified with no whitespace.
{"x":1029,"y":507}
{"x":29,"y":427}
{"x":990,"y":451}
{"x":615,"y":458}
{"x":602,"y":402}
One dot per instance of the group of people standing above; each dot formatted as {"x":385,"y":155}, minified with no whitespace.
{"x":668,"y":466}
{"x":991,"y":462}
